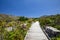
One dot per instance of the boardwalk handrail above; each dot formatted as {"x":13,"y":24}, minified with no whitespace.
{"x":46,"y":34}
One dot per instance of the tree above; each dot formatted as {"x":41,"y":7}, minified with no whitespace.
{"x":23,"y":18}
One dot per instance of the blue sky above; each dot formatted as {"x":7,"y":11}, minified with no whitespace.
{"x":30,"y":8}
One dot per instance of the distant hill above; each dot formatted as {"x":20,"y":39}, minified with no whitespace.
{"x":52,"y":20}
{"x":5,"y":17}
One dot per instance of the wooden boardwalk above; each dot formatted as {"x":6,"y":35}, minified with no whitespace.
{"x":35,"y":33}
